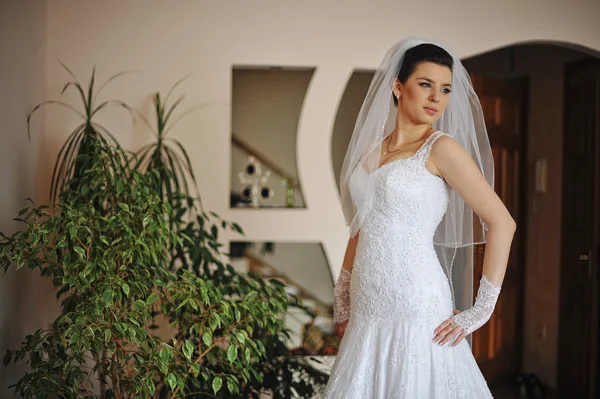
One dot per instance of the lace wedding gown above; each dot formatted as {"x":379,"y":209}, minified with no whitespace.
{"x":399,"y":294}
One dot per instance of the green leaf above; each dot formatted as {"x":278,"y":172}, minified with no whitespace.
{"x":164,"y":355}
{"x":188,"y":349}
{"x":123,"y":206}
{"x":237,"y":228}
{"x":73,"y":231}
{"x":172,"y":381}
{"x":139,"y":305}
{"x":232,"y":387}
{"x":232,"y":353}
{"x":216,"y":384}
{"x":108,"y":296}
{"x":152,"y":298}
{"x":240,"y":336}
{"x":79,"y":250}
{"x":207,"y":338}
{"x":125,"y":288}
{"x":150,"y":385}
{"x":22,"y":211}
{"x":107,"y":335}
{"x":120,"y":186}
{"x":7,"y":358}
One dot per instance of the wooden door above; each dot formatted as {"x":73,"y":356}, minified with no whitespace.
{"x":498,"y":345}
{"x":578,"y":325}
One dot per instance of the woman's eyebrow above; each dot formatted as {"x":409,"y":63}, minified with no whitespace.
{"x":432,"y":81}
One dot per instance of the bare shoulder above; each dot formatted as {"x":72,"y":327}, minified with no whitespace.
{"x":445,"y":142}
{"x":443,"y":149}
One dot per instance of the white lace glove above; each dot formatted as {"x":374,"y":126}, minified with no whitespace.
{"x":341,"y":297}
{"x":475,"y":317}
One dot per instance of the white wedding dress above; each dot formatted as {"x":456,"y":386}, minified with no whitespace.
{"x":399,"y":294}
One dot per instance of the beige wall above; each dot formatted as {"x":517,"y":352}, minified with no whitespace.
{"x":335,"y":37}
{"x":27,"y":302}
{"x":168,"y":40}
{"x":304,"y":263}
{"x":350,"y":103}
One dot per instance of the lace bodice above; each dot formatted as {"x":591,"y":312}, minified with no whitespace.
{"x":399,"y":294}
{"x":396,"y":270}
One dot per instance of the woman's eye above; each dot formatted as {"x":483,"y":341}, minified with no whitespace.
{"x":447,"y":91}
{"x":425,"y":85}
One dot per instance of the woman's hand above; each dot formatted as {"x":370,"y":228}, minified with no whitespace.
{"x":340,"y":329}
{"x":446,"y":332}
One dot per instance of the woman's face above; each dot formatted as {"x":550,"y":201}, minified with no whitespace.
{"x":426,"y":93}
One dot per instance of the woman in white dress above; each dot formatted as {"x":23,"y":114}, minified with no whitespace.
{"x":418,"y":167}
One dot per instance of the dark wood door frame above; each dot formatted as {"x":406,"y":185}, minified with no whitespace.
{"x":579,"y":333}
{"x":518,"y":90}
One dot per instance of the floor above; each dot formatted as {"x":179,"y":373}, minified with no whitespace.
{"x":506,"y":393}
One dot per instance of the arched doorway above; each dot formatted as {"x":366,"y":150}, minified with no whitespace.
{"x":542,"y":105}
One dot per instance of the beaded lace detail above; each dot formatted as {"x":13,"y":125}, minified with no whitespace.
{"x":341,"y":297}
{"x":476,"y":316}
{"x":399,"y":294}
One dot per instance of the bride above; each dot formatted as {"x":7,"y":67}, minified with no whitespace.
{"x":418,"y":167}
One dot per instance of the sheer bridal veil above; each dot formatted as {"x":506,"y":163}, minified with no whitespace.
{"x":463,"y":120}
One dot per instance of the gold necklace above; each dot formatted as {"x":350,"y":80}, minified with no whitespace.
{"x":387,"y":147}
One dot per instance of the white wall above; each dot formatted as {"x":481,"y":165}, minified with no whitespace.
{"x":27,"y":302}
{"x":167,"y":41}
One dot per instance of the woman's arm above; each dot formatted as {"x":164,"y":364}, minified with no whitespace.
{"x":462,"y":174}
{"x":350,"y":252}
{"x":341,"y":292}
{"x":460,"y":171}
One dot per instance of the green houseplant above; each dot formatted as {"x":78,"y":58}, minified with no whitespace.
{"x":109,"y":283}
{"x":278,"y":372}
{"x":114,"y":278}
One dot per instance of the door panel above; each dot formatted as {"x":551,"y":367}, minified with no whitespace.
{"x":497,"y":346}
{"x":578,"y":328}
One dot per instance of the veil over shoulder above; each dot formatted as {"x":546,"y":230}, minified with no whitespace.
{"x":463,"y":120}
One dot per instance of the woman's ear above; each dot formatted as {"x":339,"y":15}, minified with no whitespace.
{"x":397,"y":88}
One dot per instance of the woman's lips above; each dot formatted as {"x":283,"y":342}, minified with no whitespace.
{"x":431,"y":111}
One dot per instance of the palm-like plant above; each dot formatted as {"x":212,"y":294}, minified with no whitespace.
{"x":72,"y":162}
{"x":167,"y":156}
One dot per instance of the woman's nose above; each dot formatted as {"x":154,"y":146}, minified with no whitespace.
{"x":434,"y":97}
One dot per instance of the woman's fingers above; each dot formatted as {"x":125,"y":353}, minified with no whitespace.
{"x":446,"y":327}
{"x":450,"y":335}
{"x":444,"y":324}
{"x":445,"y":333}
{"x":438,"y":332}
{"x":460,"y":338}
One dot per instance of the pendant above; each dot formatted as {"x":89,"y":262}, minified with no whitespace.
{"x":385,"y":153}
